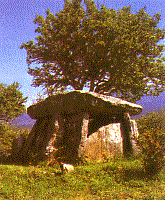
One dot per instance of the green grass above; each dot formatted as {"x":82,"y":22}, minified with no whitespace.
{"x":113,"y":180}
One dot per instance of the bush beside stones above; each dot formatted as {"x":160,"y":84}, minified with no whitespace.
{"x":152,"y":141}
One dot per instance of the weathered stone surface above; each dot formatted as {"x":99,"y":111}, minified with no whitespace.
{"x":67,"y":168}
{"x":79,"y":101}
{"x":107,"y":141}
{"x":126,"y":133}
{"x":84,"y":134}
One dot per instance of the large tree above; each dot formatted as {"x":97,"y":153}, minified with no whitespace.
{"x":11,"y":102}
{"x":107,"y":51}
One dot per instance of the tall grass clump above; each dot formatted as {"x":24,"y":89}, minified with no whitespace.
{"x":151,"y":141}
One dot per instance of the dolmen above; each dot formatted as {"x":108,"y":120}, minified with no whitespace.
{"x":65,"y":121}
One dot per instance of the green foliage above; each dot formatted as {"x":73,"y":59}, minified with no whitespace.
{"x":11,"y":102}
{"x":110,"y":52}
{"x":117,"y":180}
{"x":7,"y":134}
{"x":152,"y":141}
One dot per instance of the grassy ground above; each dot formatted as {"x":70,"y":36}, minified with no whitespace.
{"x":113,"y":180}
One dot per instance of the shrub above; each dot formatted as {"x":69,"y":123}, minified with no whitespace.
{"x":151,"y":141}
{"x":7,"y":134}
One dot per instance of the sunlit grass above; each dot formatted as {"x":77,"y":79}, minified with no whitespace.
{"x":113,"y":180}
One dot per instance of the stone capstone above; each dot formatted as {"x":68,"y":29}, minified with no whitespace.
{"x":80,"y":101}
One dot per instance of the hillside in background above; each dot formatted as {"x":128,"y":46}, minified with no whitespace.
{"x":24,"y":121}
{"x":150,"y":103}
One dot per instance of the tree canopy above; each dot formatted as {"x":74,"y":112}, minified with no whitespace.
{"x":110,"y":52}
{"x":11,"y":102}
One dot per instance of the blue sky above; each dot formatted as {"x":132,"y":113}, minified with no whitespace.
{"x":16,"y":27}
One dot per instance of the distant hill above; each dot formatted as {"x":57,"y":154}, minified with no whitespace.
{"x":24,"y":121}
{"x":150,"y":103}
